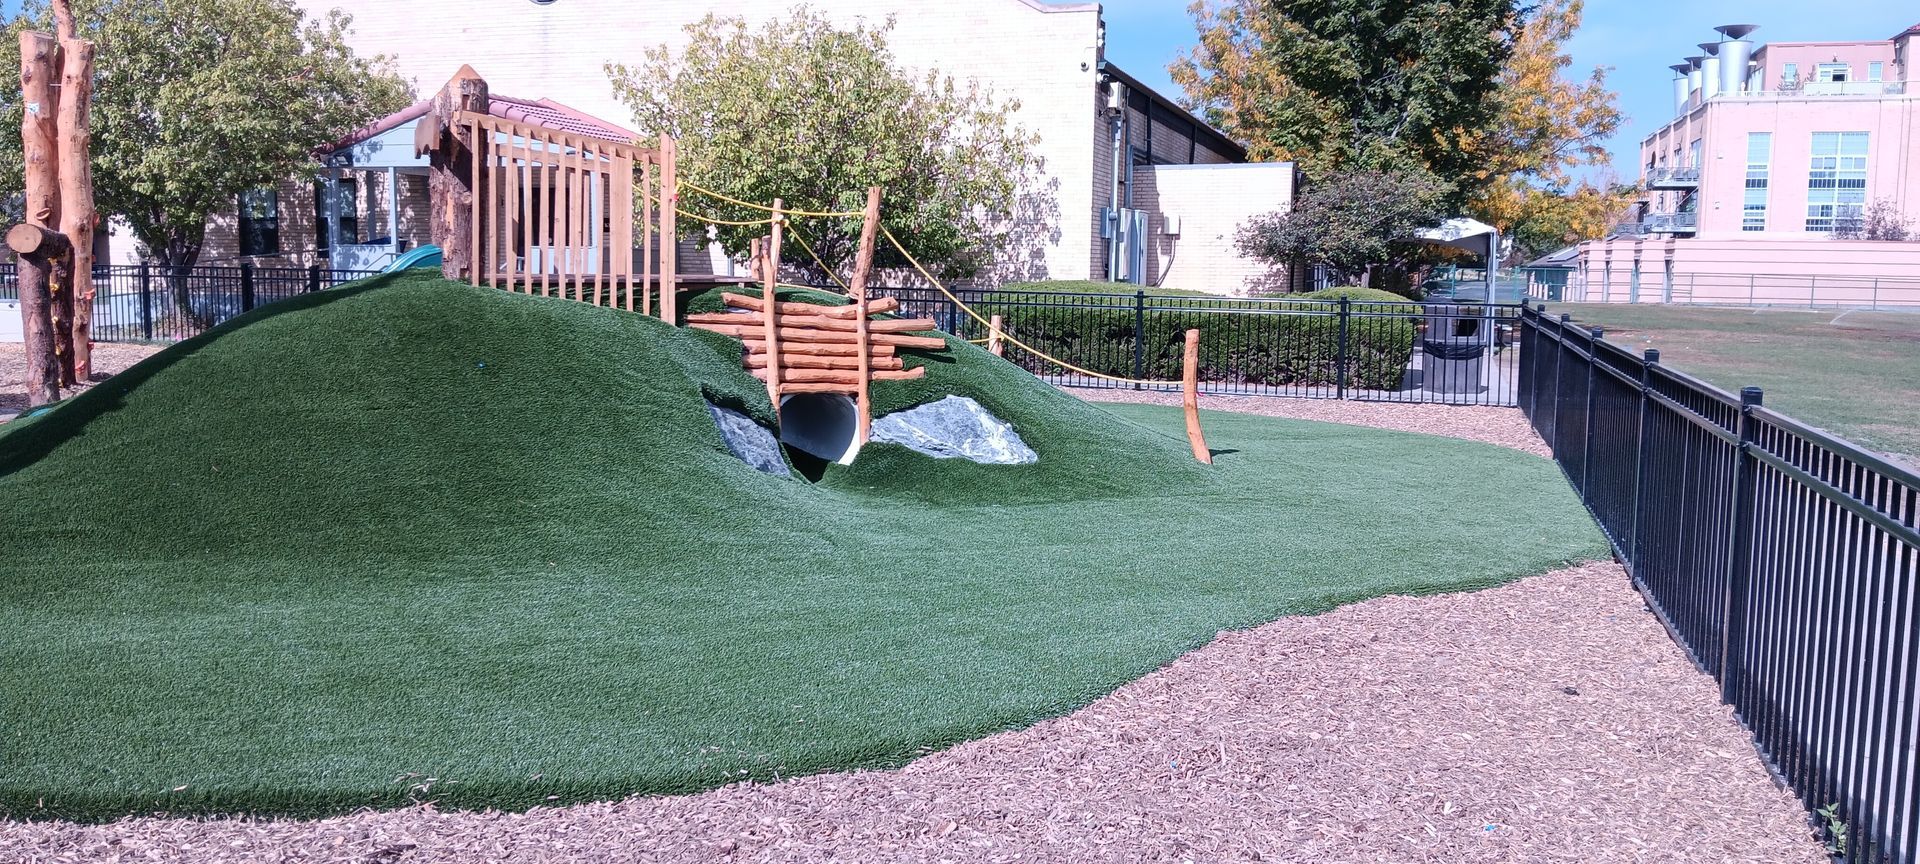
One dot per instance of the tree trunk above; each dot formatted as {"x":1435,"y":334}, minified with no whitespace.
{"x":177,"y":257}
{"x":36,"y":249}
{"x":77,"y":216}
{"x":38,"y":56}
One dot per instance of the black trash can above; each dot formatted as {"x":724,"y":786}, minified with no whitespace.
{"x":1455,"y":348}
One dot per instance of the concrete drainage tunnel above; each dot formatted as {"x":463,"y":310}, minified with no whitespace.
{"x":818,"y":429}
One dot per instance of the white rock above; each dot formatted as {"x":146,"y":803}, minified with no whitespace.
{"x":955,"y":428}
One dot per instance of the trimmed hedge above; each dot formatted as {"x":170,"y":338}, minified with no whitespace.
{"x":1290,"y":343}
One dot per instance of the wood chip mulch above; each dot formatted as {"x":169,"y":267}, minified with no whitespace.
{"x":108,"y":359}
{"x":1547,"y":720}
{"x":1506,"y":427}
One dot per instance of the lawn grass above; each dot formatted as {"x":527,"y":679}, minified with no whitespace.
{"x":1856,"y":374}
{"x":412,"y":539}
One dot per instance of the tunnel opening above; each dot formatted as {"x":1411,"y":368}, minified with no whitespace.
{"x":818,"y":429}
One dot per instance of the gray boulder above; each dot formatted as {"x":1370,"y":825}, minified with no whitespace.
{"x":752,"y":442}
{"x":955,"y":428}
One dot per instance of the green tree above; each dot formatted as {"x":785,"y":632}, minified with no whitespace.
{"x":198,"y":100}
{"x":1350,"y":222}
{"x":1391,"y":85}
{"x":813,"y":114}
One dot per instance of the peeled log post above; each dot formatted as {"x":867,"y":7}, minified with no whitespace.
{"x":77,"y":215}
{"x":37,"y":248}
{"x":993,"y":337}
{"x":1190,"y":397}
{"x":862,"y":271}
{"x":451,"y":174}
{"x":38,"y":149}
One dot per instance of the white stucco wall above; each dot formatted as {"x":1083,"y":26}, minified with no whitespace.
{"x":1047,"y":57}
{"x":1210,"y":203}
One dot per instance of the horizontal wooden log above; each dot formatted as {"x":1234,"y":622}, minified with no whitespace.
{"x":818,"y":387}
{"x":789,"y":360}
{"x":874,"y":307}
{"x":29,"y":239}
{"x":799,"y":334}
{"x":849,"y":378}
{"x":885,"y":325}
{"x":818,"y":349}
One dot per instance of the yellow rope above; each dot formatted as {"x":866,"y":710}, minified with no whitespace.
{"x":1003,"y":334}
{"x":712,"y":221}
{"x":764,"y":208}
{"x":816,"y":259}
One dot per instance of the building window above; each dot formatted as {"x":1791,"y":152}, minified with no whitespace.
{"x":1753,"y":208}
{"x":1834,"y":72}
{"x":1875,"y":70}
{"x":259,"y":222}
{"x":349,"y":213}
{"x":1693,"y":154}
{"x":1836,"y":180}
{"x":1789,"y":76}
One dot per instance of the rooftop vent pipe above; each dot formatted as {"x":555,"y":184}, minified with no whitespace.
{"x":1693,"y":74}
{"x":1709,"y":70}
{"x":1680,"y":88}
{"x":1736,"y":56}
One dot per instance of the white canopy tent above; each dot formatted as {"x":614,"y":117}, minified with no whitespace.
{"x":1471,"y":235}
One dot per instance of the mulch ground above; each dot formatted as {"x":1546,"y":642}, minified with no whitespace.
{"x":1547,"y":720}
{"x":108,"y":359}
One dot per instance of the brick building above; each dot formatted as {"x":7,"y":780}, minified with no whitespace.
{"x":1117,"y":200}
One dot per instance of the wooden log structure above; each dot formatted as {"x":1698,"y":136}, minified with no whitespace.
{"x":808,"y":334}
{"x":453,"y":174}
{"x":808,"y":348}
{"x":770,"y":305}
{"x":42,"y":320}
{"x":37,"y":248}
{"x":862,"y":271}
{"x":78,"y":217}
{"x":1190,"y":397}
{"x":995,"y":326}
{"x":874,"y":307}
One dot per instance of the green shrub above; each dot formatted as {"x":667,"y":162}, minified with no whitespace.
{"x":1295,"y":341}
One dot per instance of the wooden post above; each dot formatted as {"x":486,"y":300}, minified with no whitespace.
{"x":863,"y":271}
{"x":1190,"y":397}
{"x":994,"y":345}
{"x":37,"y":249}
{"x":77,"y":216}
{"x":39,"y":155}
{"x":770,"y":270}
{"x":669,"y":235}
{"x":453,"y":174}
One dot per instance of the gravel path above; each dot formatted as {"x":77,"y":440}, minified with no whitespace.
{"x":1546,"y":720}
{"x":108,"y":359}
{"x":1506,"y":427}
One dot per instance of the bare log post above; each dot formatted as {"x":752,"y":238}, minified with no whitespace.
{"x":37,"y":248}
{"x":38,"y":143}
{"x":453,"y":171}
{"x":863,"y":271}
{"x":771,"y":269}
{"x":77,"y":216}
{"x":770,"y":328}
{"x":1190,"y":397}
{"x":669,"y":234}
{"x":994,"y":328}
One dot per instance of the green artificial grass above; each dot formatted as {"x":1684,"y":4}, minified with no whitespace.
{"x":415,"y":540}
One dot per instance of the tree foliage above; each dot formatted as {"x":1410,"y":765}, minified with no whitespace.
{"x":1548,"y":125}
{"x":802,"y":110}
{"x":1350,"y":221}
{"x":1880,"y":220}
{"x":198,"y":100}
{"x":1390,"y":85}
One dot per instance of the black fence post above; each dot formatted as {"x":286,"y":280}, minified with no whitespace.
{"x":1733,"y":637}
{"x":313,"y":278}
{"x":1346,"y":317}
{"x":1648,"y":360}
{"x":246,"y":286}
{"x":1559,"y":356}
{"x":146,"y":301}
{"x":1586,"y":448}
{"x":1139,"y":337}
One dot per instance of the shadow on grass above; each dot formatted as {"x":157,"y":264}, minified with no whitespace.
{"x":31,"y":436}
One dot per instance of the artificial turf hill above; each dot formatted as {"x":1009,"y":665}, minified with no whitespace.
{"x":415,"y":540}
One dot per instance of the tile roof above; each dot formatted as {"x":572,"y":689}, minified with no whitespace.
{"x":539,"y":112}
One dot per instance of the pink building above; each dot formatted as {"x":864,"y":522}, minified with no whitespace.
{"x":1772,"y":150}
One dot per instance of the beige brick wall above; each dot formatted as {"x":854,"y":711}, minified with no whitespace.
{"x":1046,"y":58}
{"x":298,"y":235}
{"x":1211,"y":203}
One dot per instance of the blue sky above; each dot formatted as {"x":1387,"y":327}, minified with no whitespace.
{"x":1639,"y":39}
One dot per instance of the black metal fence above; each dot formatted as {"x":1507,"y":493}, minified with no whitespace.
{"x":1785,"y":560}
{"x":1463,"y":354}
{"x":150,"y":302}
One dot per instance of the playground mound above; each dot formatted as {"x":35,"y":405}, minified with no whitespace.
{"x":412,"y":540}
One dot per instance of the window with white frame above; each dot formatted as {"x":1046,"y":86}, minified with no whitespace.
{"x":1836,"y":180}
{"x":259,"y":228}
{"x":1834,"y":72}
{"x":1876,"y":70}
{"x":1753,"y":207}
{"x":1693,"y":154}
{"x":1789,"y":76}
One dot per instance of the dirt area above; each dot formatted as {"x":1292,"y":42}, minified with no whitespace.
{"x":1503,"y":426}
{"x":108,"y":359}
{"x":1551,"y":719}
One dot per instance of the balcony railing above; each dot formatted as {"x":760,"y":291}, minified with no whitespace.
{"x":1673,"y":177}
{"x":1671,"y":223}
{"x":1822,"y":89}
